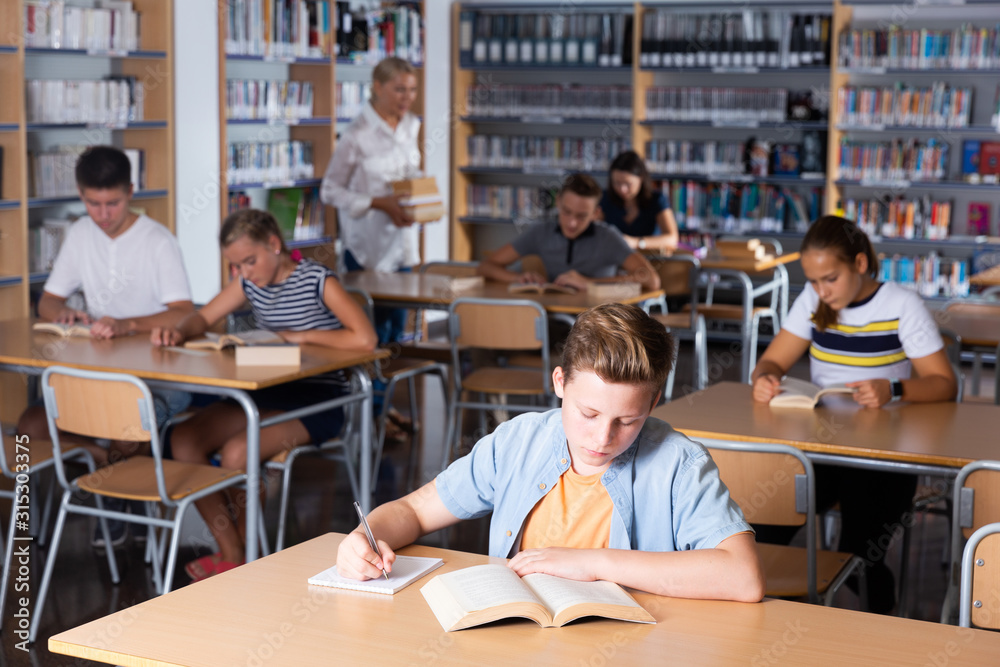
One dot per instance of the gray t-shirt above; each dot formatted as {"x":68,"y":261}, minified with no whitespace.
{"x":596,"y":253}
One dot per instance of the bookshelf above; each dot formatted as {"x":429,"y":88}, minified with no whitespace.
{"x":678,"y":47}
{"x":886,"y":101}
{"x":23,"y":59}
{"x":324,"y":70}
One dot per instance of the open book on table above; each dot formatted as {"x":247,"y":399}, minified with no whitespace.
{"x":539,"y":288}
{"x":486,"y":593}
{"x":214,"y":341}
{"x":796,"y":393}
{"x":63,"y":329}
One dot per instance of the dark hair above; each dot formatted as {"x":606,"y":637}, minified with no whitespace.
{"x":582,"y":186}
{"x":256,"y":225}
{"x":621,"y":344}
{"x":103,"y":168}
{"x":631,"y":163}
{"x":846,"y":241}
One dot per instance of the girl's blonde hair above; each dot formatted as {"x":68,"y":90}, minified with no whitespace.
{"x":256,"y":225}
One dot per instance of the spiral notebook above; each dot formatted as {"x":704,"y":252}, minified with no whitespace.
{"x":405,"y":571}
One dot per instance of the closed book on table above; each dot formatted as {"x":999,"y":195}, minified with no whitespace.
{"x":269,"y":355}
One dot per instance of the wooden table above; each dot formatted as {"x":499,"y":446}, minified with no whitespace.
{"x":265,"y":613}
{"x":416,"y":290}
{"x":25,"y":351}
{"x":914,"y":437}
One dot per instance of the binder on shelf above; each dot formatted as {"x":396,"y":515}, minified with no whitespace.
{"x":526,"y":39}
{"x":590,"y":44}
{"x":481,"y":41}
{"x":466,"y":27}
{"x":557,"y":40}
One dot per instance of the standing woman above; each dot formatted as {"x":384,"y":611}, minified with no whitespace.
{"x":639,"y":212}
{"x":378,"y":147}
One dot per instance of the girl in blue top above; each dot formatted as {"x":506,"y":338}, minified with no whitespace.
{"x":639,"y":212}
{"x":304,"y":303}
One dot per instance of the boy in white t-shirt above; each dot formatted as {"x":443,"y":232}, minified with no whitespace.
{"x":130,"y":271}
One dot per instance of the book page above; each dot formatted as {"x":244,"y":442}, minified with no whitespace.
{"x":485,"y":586}
{"x":558,"y":594}
{"x":258,"y":337}
{"x":797,"y":387}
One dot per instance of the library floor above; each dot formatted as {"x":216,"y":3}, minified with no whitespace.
{"x":82,"y":591}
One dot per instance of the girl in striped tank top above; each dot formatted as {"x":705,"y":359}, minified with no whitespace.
{"x":304,"y":303}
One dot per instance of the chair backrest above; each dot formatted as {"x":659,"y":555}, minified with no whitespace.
{"x":363,"y":299}
{"x":498,"y":324}
{"x":953,"y":349}
{"x":677,"y":274}
{"x":980,"y":588}
{"x":991,"y":293}
{"x":453,"y":269}
{"x":977,"y":496}
{"x":100,"y":405}
{"x":774,"y":485}
{"x":974,"y":307}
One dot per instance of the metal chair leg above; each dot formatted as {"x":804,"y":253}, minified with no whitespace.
{"x":50,"y":562}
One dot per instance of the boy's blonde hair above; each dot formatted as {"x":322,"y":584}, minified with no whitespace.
{"x":621,"y":344}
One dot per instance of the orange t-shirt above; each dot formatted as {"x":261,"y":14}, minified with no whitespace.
{"x":576,"y":513}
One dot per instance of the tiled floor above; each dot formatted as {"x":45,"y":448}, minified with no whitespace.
{"x":82,"y":590}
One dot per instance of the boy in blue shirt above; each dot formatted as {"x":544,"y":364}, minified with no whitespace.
{"x":594,"y":490}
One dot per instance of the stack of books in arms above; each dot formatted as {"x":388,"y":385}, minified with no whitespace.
{"x":899,"y":47}
{"x":544,"y":153}
{"x":395,"y":31}
{"x":558,"y":38}
{"x":929,"y":276}
{"x":351,"y":98}
{"x":52,"y":173}
{"x":110,"y":25}
{"x":547,"y":101}
{"x":898,"y":160}
{"x":279,"y":28}
{"x":299,"y":212}
{"x":936,"y":106}
{"x":276,"y":99}
{"x":420,"y":198}
{"x":509,"y":201}
{"x":115,"y":101}
{"x":269,"y":162}
{"x":746,"y":38}
{"x":920,"y":218}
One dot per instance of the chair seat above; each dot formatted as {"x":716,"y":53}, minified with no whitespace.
{"x":135,"y":479}
{"x":505,"y":381}
{"x":404,"y":364}
{"x":675,"y":320}
{"x":724,"y":311}
{"x":39,"y":452}
{"x":786,"y":569}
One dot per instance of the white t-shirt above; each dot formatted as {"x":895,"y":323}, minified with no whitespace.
{"x":134,"y":275}
{"x":369,"y":156}
{"x":873,"y":338}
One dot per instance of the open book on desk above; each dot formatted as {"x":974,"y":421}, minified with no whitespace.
{"x":486,"y":593}
{"x":63,"y":329}
{"x":796,"y":393}
{"x":540,"y":288}
{"x":214,"y":341}
{"x":405,"y":570}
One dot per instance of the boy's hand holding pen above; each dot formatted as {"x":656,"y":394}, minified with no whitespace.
{"x":359,"y":557}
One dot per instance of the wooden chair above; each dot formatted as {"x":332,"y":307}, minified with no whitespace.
{"x":678,"y":278}
{"x":775,"y":485}
{"x":975,"y":503}
{"x":24,"y":464}
{"x":391,"y":372}
{"x":986,"y":308}
{"x":496,"y":324}
{"x":747,"y":314}
{"x":979,"y":603}
{"x":119,"y":407}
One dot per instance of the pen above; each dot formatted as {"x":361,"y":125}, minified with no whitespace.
{"x":371,"y":538}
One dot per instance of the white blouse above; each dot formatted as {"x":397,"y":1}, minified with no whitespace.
{"x":369,"y":155}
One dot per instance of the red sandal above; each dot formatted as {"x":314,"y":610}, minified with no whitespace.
{"x":207,"y":566}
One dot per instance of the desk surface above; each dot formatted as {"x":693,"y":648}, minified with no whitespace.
{"x":942,"y":434}
{"x":20,"y":346}
{"x":266,"y":613}
{"x":434,"y":291}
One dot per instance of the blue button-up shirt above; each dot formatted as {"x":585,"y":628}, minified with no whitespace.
{"x":665,"y":488}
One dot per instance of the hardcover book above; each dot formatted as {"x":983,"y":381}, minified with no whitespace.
{"x":796,"y":393}
{"x":979,"y":218}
